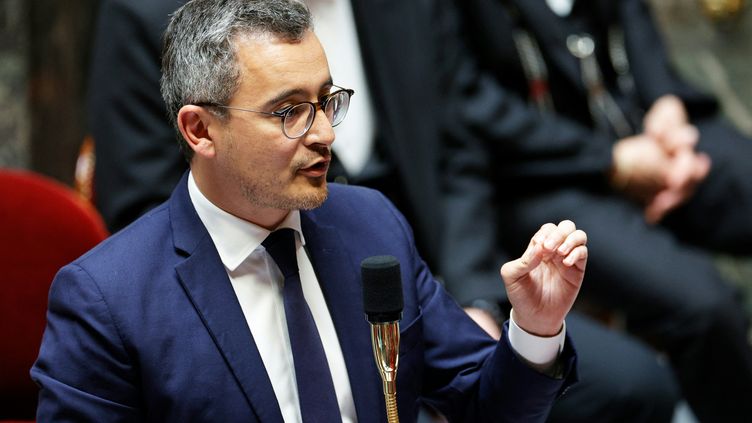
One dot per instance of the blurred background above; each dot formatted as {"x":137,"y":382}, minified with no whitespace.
{"x":44,"y":54}
{"x":44,"y":47}
{"x":45,"y":44}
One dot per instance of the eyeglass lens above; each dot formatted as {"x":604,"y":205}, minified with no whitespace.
{"x":299,"y":118}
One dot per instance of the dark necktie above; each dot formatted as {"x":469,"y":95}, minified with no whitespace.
{"x":318,"y":402}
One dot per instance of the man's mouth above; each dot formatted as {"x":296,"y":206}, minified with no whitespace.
{"x":316,"y":169}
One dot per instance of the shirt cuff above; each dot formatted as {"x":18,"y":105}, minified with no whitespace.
{"x":539,"y":352}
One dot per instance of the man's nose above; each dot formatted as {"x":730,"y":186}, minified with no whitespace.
{"x":321,"y":131}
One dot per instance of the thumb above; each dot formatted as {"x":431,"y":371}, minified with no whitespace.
{"x":514,"y":270}
{"x":662,"y":204}
{"x":702,"y":169}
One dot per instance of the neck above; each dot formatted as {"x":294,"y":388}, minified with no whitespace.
{"x":237,"y":205}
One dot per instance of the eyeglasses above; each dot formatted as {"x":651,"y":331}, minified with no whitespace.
{"x":297,"y":119}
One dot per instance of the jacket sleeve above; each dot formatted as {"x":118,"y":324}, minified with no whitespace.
{"x":97,"y":381}
{"x":467,"y":376}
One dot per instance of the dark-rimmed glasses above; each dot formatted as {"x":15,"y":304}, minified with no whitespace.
{"x":297,"y":119}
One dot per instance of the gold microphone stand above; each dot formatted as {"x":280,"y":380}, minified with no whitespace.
{"x":385,"y":342}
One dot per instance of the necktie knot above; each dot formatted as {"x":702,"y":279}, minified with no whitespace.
{"x":280,"y":244}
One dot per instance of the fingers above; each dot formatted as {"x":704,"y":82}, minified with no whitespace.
{"x":577,"y":258}
{"x":573,"y":248}
{"x":687,"y":168}
{"x":566,"y":244}
{"x":661,"y":204}
{"x":514,"y":270}
{"x":683,"y":137}
{"x":702,"y":167}
{"x":667,"y":113}
{"x":554,"y":235}
{"x":687,"y":171}
{"x":562,"y":238}
{"x":563,"y":241}
{"x":485,"y":321}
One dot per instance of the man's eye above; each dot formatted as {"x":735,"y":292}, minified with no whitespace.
{"x":284,"y":109}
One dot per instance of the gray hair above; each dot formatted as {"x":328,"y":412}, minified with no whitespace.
{"x":199,"y":63}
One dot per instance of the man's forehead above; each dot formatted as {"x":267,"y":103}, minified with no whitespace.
{"x":271,"y":62}
{"x":264,"y":51}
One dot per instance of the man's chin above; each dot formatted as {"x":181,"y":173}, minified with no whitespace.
{"x":313,"y":197}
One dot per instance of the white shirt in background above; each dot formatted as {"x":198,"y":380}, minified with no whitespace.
{"x":334,"y":24}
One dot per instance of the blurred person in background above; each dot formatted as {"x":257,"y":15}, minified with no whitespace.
{"x":573,"y":109}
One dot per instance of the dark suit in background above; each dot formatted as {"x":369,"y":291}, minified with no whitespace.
{"x":138,"y":164}
{"x":538,"y":166}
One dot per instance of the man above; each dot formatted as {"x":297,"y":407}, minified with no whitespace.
{"x":397,"y":89}
{"x":179,"y":317}
{"x":138,"y":165}
{"x":580,"y":114}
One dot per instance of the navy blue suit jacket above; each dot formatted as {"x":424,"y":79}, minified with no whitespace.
{"x":146,"y":327}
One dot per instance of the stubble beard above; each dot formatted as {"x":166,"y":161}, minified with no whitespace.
{"x":270,"y":193}
{"x":267,"y":194}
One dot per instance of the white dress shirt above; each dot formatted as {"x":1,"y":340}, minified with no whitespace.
{"x":257,"y":282}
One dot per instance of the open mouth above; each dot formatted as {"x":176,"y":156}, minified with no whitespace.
{"x":317,"y":169}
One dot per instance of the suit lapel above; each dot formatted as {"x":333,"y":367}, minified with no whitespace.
{"x":204,"y":279}
{"x":339,"y":277}
{"x":551,"y":33}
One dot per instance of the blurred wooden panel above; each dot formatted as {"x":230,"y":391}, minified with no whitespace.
{"x":60,"y":33}
{"x":14,"y":119}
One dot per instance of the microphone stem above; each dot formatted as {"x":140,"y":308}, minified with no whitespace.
{"x":391,"y":408}
{"x":385,"y":341}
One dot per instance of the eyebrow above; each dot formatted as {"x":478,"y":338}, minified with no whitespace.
{"x":288,"y":93}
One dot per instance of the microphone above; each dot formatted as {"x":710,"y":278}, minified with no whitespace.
{"x":383,"y":304}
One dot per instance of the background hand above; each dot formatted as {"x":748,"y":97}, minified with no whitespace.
{"x":542,"y":285}
{"x":640,"y":167}
{"x":661,"y":181}
{"x":667,"y":121}
{"x":687,"y":169}
{"x":485,"y":321}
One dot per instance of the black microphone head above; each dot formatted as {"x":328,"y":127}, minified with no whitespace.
{"x":382,"y":289}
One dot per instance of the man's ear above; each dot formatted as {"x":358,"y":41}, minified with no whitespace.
{"x":194,"y":122}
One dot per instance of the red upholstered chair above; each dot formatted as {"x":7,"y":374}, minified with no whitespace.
{"x":43,"y":226}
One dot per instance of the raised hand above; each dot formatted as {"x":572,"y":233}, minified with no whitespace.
{"x":542,"y":285}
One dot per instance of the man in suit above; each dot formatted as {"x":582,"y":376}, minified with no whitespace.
{"x":138,"y":164}
{"x":579,"y":113}
{"x":179,"y":316}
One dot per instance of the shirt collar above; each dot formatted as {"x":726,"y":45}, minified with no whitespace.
{"x":234,"y":238}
